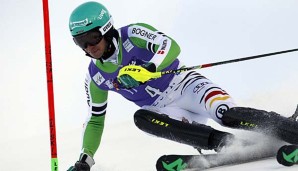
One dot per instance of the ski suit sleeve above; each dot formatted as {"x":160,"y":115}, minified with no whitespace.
{"x":94,"y":125}
{"x":165,"y":49}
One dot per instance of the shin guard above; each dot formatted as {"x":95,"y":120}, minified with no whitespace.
{"x":196,"y":135}
{"x":269,"y":123}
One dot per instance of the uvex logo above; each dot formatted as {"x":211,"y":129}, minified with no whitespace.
{"x":102,"y":12}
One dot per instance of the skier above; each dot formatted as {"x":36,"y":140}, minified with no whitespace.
{"x":170,"y":105}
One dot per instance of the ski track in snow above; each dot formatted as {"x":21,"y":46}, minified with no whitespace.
{"x":268,"y":145}
{"x":264,"y":165}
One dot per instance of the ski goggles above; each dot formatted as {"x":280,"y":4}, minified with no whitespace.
{"x":91,"y":38}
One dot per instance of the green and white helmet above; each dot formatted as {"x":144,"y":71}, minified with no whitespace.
{"x":88,"y":16}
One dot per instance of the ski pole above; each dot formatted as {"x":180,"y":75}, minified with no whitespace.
{"x":295,"y":115}
{"x":145,"y":75}
{"x":47,"y":38}
{"x":224,"y":62}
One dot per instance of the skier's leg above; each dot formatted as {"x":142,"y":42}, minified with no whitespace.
{"x":201,"y":96}
{"x":197,"y":135}
{"x":190,"y":92}
{"x":204,"y":97}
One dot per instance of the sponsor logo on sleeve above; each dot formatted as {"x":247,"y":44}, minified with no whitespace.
{"x":163,"y":47}
{"x":127,"y":45}
{"x":87,"y":93}
{"x":109,"y":84}
{"x":199,"y":87}
{"x":98,"y":78}
{"x":164,"y":44}
{"x":143,"y":33}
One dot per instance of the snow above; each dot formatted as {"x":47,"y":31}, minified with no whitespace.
{"x":129,"y":149}
{"x":266,"y":165}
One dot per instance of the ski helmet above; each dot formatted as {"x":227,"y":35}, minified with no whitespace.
{"x":88,"y":16}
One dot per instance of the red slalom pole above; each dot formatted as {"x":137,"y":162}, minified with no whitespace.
{"x":52,"y":125}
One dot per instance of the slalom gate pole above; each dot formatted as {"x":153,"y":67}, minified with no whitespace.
{"x":47,"y":38}
{"x":226,"y":62}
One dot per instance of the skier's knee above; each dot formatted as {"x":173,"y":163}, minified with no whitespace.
{"x":219,"y":109}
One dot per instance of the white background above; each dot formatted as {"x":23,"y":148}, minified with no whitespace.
{"x":207,"y":31}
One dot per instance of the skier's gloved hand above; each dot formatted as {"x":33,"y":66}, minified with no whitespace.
{"x":84,"y":164}
{"x":127,"y":81}
{"x":131,"y":76}
{"x":150,"y":66}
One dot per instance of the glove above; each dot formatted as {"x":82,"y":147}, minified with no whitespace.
{"x":84,"y":164}
{"x":132,"y":76}
{"x":150,"y":67}
{"x":128,"y":82}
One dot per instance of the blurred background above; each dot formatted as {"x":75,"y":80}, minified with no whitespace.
{"x":207,"y":31}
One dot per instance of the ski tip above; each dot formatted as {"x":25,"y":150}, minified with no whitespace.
{"x":173,"y":162}
{"x":287,"y":155}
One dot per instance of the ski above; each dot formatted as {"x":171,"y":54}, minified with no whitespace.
{"x":206,"y":161}
{"x":287,"y":155}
